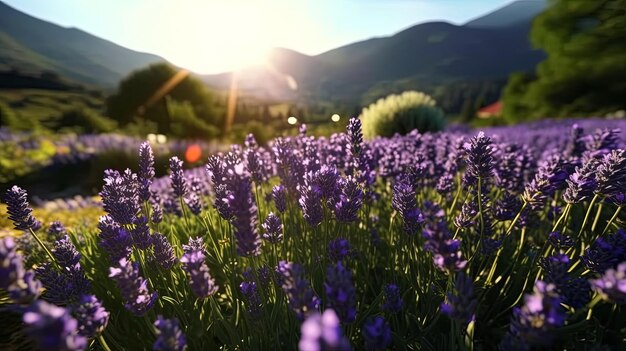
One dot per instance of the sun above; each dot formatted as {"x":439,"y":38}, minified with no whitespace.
{"x":223,"y":36}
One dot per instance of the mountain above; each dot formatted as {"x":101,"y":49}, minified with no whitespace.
{"x":32,"y":45}
{"x":515,"y":13}
{"x":425,"y":56}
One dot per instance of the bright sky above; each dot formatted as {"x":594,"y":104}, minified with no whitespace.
{"x":211,"y":36}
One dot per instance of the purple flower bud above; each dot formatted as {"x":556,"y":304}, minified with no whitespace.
{"x":560,"y":241}
{"x":612,"y":285}
{"x":245,"y":218}
{"x":193,"y":202}
{"x":279,"y":195}
{"x":157,"y":213}
{"x":403,"y":200}
{"x":52,"y":328}
{"x":341,"y":292}
{"x":339,"y":249}
{"x":179,"y":185}
{"x":376,"y":334}
{"x":611,"y":173}
{"x":322,"y":332}
{"x":65,"y":253}
{"x":200,"y":280}
{"x":163,"y":251}
{"x":18,"y":209}
{"x":355,"y":136}
{"x":169,"y":335}
{"x":91,"y":316}
{"x":133,"y":287}
{"x":606,"y":253}
{"x":120,"y":196}
{"x":461,"y":303}
{"x":392,"y":301}
{"x":479,"y":159}
{"x":56,"y":230}
{"x":146,"y":170}
{"x":535,"y":321}
{"x":582,"y":183}
{"x":273,"y":228}
{"x":350,"y":201}
{"x":310,"y":202}
{"x":114,"y":239}
{"x":253,"y":301}
{"x":302,"y":298}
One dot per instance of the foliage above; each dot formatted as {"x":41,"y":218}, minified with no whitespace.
{"x":583,"y":74}
{"x":185,"y":124}
{"x":135,"y":93}
{"x":83,"y":120}
{"x":402,"y":114}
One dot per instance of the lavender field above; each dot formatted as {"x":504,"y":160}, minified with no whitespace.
{"x":506,"y":238}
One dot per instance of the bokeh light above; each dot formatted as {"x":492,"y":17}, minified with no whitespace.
{"x":292,"y":120}
{"x":335,"y":118}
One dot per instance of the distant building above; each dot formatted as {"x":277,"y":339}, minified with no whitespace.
{"x":491,"y":111}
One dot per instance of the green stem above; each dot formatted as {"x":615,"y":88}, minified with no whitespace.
{"x":582,"y":227}
{"x":608,"y":225}
{"x":103,"y":343}
{"x":43,"y":246}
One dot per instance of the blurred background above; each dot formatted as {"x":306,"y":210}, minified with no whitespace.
{"x":83,"y":83}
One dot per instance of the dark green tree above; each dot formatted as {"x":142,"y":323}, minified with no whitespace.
{"x":135,"y":99}
{"x":585,"y":71}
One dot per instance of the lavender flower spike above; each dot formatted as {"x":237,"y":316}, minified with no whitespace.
{"x":146,"y":170}
{"x":461,"y":303}
{"x":133,"y":287}
{"x":18,"y":209}
{"x":404,"y":202}
{"x":163,"y":251}
{"x":91,"y":316}
{"x":273,"y":228}
{"x":193,"y":261}
{"x":52,"y":328}
{"x":179,"y":185}
{"x":341,"y":292}
{"x":323,"y":332}
{"x":302,"y":298}
{"x":169,"y":335}
{"x":612,"y":285}
{"x":376,"y":334}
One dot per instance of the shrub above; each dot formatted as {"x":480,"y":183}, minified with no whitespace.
{"x":401,"y":114}
{"x":80,"y":119}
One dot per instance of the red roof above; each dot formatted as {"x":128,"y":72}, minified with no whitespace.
{"x":493,"y":109}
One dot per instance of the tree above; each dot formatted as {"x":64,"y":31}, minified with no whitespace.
{"x":584,"y":72}
{"x":136,"y":91}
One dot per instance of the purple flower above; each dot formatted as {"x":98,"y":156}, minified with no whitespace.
{"x":120,"y":196}
{"x":115,"y":240}
{"x":323,"y":333}
{"x":163,"y":251}
{"x":65,"y":253}
{"x":193,"y":202}
{"x":273,"y":228}
{"x":146,"y":170}
{"x":52,"y":328}
{"x":133,"y":287}
{"x":376,"y":333}
{"x":339,"y":249}
{"x":392,"y":301}
{"x":223,"y":200}
{"x":550,"y":177}
{"x":310,"y":202}
{"x":479,"y":159}
{"x":195,"y":244}
{"x":56,"y":230}
{"x":279,"y":195}
{"x":157,"y":213}
{"x":560,"y":241}
{"x":446,"y":251}
{"x":63,"y":286}
{"x":350,"y":201}
{"x":302,"y":299}
{"x":612,"y":284}
{"x":200,"y":280}
{"x":179,"y":185}
{"x":341,"y":292}
{"x":403,"y":201}
{"x":253,"y":301}
{"x":355,"y":136}
{"x":91,"y":316}
{"x":245,"y":218}
{"x":582,"y":183}
{"x":169,"y":335}
{"x":606,"y":253}
{"x":142,"y":239}
{"x":611,"y":173}
{"x":461,"y":303}
{"x":21,"y":285}
{"x":535,"y":321}
{"x":18,"y":209}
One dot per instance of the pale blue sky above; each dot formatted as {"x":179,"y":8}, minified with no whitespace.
{"x":210,"y":36}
